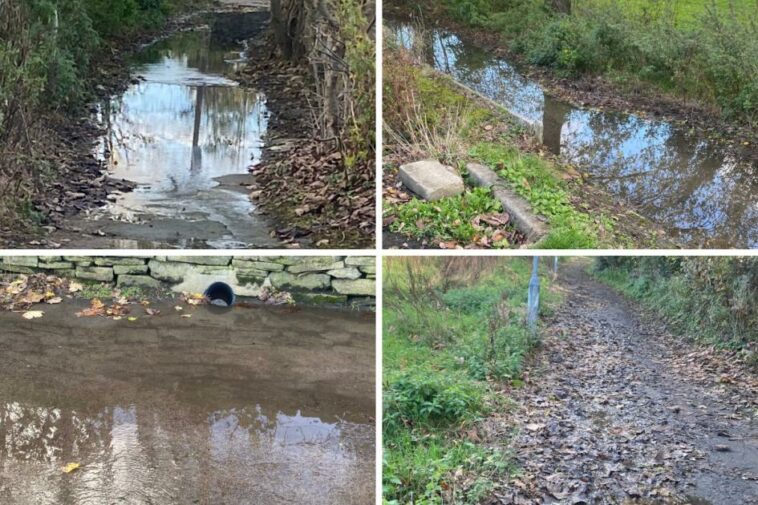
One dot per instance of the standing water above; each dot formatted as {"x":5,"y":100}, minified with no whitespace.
{"x":186,"y":135}
{"x":702,"y":192}
{"x":246,"y":406}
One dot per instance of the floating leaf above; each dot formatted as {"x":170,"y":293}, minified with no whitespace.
{"x":71,"y":467}
{"x":33,"y":314}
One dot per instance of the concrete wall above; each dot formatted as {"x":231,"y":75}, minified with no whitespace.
{"x":318,"y":279}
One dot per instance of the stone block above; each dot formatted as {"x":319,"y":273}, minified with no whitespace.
{"x":345,"y":273}
{"x":316,"y":264}
{"x":102,"y":274}
{"x":431,"y":180}
{"x":202,"y":260}
{"x":357,"y":287}
{"x":130,"y":269}
{"x":57,"y":265}
{"x":168,"y":271}
{"x":142,"y":281}
{"x":359,"y":261}
{"x":21,"y":261}
{"x":308,"y":281}
{"x":113,"y":261}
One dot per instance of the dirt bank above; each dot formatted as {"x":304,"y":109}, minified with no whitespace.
{"x":616,"y":410}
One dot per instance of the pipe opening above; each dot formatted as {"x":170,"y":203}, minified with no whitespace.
{"x":221,"y":294}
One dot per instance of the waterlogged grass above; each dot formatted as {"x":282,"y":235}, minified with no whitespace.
{"x":442,"y":362}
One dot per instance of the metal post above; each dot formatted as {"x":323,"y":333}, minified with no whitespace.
{"x":533,"y":302}
{"x":555,"y":268}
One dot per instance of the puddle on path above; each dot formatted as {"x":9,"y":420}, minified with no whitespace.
{"x":245,"y":406}
{"x":186,"y":135}
{"x":702,"y":192}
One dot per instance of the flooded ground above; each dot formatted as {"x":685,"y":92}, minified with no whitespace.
{"x":241,"y":406}
{"x":700,"y":190}
{"x":185,"y":135}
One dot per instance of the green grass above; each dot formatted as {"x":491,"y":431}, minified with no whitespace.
{"x":441,"y":373}
{"x":449,"y":218}
{"x":679,"y":47}
{"x":686,"y":13}
{"x":536,"y":181}
{"x":710,"y":300}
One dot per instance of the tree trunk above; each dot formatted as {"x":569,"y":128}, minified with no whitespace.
{"x":562,"y":6}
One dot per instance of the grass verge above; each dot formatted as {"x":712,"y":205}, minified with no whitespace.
{"x":453,"y":330}
{"x":710,"y":299}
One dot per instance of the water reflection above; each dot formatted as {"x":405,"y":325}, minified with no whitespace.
{"x":181,"y":127}
{"x":149,"y":456}
{"x":703,"y":192}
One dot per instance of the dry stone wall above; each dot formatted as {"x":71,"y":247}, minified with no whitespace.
{"x":315,"y":279}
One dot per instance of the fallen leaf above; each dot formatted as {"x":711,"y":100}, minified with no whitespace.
{"x":54,"y":301}
{"x":71,"y":467}
{"x":33,"y":314}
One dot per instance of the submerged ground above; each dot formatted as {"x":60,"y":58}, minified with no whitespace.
{"x":248,"y":405}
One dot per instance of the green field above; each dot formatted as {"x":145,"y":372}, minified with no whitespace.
{"x":685,"y":12}
{"x":453,"y":331}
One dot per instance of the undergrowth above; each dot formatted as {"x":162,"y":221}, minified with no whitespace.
{"x":709,"y":299}
{"x":453,"y":329}
{"x":706,"y":51}
{"x":48,"y":54}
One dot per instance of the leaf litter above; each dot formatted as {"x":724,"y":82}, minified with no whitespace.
{"x":614,"y":409}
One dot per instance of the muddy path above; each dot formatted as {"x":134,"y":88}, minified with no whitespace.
{"x":242,"y":406}
{"x":615,"y":410}
{"x":183,"y":137}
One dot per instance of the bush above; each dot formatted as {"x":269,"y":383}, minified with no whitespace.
{"x":707,"y":54}
{"x":711,"y":299}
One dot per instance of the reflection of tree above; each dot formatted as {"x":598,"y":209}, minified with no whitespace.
{"x":553,"y":118}
{"x":141,"y":453}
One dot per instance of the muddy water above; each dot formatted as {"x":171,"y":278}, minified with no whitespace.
{"x":179,"y":133}
{"x":701,"y":191}
{"x":244,"y":406}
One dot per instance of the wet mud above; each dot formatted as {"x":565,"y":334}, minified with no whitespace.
{"x":615,"y":410}
{"x":231,"y":406}
{"x":701,"y":190}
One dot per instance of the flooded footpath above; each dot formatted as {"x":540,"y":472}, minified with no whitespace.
{"x":700,"y":190}
{"x":185,"y":135}
{"x":246,"y":405}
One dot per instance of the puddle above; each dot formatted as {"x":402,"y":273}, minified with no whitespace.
{"x":702,"y":192}
{"x":246,"y":406}
{"x":178,"y":133}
